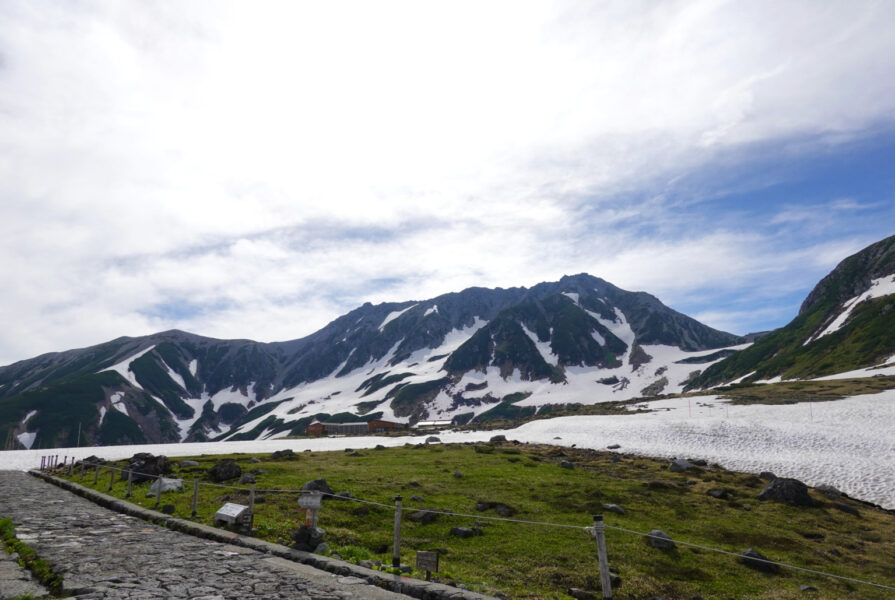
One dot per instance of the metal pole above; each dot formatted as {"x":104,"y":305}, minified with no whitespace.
{"x":158,"y":492}
{"x":56,"y":462}
{"x":396,"y":554}
{"x":601,"y":555}
{"x":71,"y":467}
{"x":251,"y":507}
{"x":130,"y":481}
{"x":43,"y":459}
{"x":96,"y":475}
{"x":111,"y":479}
{"x":195,"y":493}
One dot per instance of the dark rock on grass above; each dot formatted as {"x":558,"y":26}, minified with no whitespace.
{"x":423,"y":516}
{"x":614,"y":508}
{"x":660,"y":540}
{"x":317,"y":485}
{"x":307,"y":538}
{"x":496,"y":439}
{"x":354,"y":453}
{"x":767,"y":476}
{"x":145,"y":466}
{"x":613,"y":446}
{"x":787,"y":491}
{"x":679,"y":465}
{"x":92,"y":461}
{"x":168,"y":509}
{"x":224,"y":471}
{"x":580,"y":594}
{"x":458,"y":474}
{"x":829,"y":491}
{"x":433,"y":440}
{"x":504,"y":510}
{"x":465,"y":532}
{"x":417,"y":499}
{"x":566,"y":465}
{"x":379,"y":447}
{"x":657,"y":485}
{"x":699,"y":462}
{"x":184,"y":464}
{"x":756,"y":560}
{"x":719,"y":494}
{"x":246,"y":478}
{"x":807,"y":588}
{"x":254,"y":460}
{"x":286,"y":454}
{"x":847,"y":508}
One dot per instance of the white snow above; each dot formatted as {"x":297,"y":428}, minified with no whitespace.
{"x":28,"y":417}
{"x":543,"y":347}
{"x":572,"y":295}
{"x":27,"y":438}
{"x":776,"y":379}
{"x":118,"y":403}
{"x":878,"y":288}
{"x":175,"y":376}
{"x":845,"y":443}
{"x":102,"y":415}
{"x":123,"y":367}
{"x":394,"y":315}
{"x":430,"y":310}
{"x":194,"y":366}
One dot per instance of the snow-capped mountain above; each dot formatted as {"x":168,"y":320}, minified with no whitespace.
{"x":845,"y":327}
{"x":475,"y":354}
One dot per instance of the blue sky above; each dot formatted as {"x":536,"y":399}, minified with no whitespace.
{"x":254,"y":171}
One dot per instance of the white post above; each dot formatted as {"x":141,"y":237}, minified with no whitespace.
{"x":601,"y":555}
{"x":396,"y":554}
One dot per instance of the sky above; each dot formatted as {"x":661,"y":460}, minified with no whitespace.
{"x":256,"y":169}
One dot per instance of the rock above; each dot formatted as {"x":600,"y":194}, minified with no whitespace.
{"x":307,"y":538}
{"x":286,"y":454}
{"x":504,"y":510}
{"x":423,"y":516}
{"x":224,"y":471}
{"x":614,"y":459}
{"x":614,"y":446}
{"x":247,"y":478}
{"x":614,"y":508}
{"x":167,"y":485}
{"x":433,"y":440}
{"x":807,"y":588}
{"x":168,"y":509}
{"x":829,"y":491}
{"x":145,"y":466}
{"x":417,"y":499}
{"x":679,"y":465}
{"x":367,"y":564}
{"x":699,"y":462}
{"x":458,"y":474}
{"x":317,"y":485}
{"x":787,"y":491}
{"x":343,"y":495}
{"x":657,"y":485}
{"x":719,"y":494}
{"x":767,"y":476}
{"x":321,"y":548}
{"x":755,"y":560}
{"x":847,"y":508}
{"x":660,"y":540}
{"x":465,"y":532}
{"x":580,"y":594}
{"x":566,"y":465}
{"x":405,"y":568}
{"x":254,"y":460}
{"x":92,"y":461}
{"x":187,"y":463}
{"x":496,"y":439}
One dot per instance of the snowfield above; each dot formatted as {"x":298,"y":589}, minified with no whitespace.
{"x":847,"y":443}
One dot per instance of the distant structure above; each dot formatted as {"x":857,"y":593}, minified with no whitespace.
{"x":434,"y":424}
{"x":356,"y":428}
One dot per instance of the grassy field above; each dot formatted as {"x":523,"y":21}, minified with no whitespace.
{"x":789,"y":392}
{"x":535,"y":561}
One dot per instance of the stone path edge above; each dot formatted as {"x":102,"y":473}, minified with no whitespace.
{"x":416,"y":588}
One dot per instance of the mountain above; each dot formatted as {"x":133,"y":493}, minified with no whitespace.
{"x":476,"y":354}
{"x":846,"y":324}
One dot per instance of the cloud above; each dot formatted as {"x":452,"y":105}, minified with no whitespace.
{"x":256,"y":170}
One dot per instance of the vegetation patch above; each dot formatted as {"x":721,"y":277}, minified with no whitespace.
{"x":28,"y":558}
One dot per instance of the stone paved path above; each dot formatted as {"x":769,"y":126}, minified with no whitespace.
{"x":103,"y":554}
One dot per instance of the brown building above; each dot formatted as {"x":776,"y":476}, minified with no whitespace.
{"x":315,"y":429}
{"x":378,"y":425}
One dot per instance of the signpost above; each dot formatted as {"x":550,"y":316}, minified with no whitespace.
{"x":311,"y":502}
{"x":427,"y":561}
{"x":230,"y":513}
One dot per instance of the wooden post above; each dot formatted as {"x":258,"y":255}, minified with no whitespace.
{"x":43,"y":460}
{"x":158,"y":492}
{"x":96,"y":475}
{"x":130,"y":481}
{"x":396,"y":554}
{"x":111,"y":479}
{"x":81,"y":467}
{"x":56,"y":462}
{"x":601,"y":555}
{"x":195,"y":493}
{"x":251,"y":507}
{"x":71,"y":467}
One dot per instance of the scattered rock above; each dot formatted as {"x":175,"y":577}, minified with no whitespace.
{"x":614,"y":459}
{"x":679,"y":465}
{"x":835,"y":552}
{"x":566,"y":465}
{"x":417,"y":499}
{"x":504,"y":510}
{"x":787,"y":491}
{"x":699,"y":462}
{"x":145,"y":466}
{"x":187,"y":463}
{"x":657,"y":485}
{"x":807,"y":588}
{"x":168,"y":509}
{"x":167,"y":485}
{"x":829,"y":491}
{"x":847,"y":508}
{"x":433,"y":440}
{"x":458,"y":474}
{"x":367,"y":564}
{"x":321,"y":548}
{"x":317,"y":485}
{"x":246,"y":478}
{"x":465,"y":532}
{"x":660,"y":540}
{"x":286,"y":454}
{"x":496,"y":439}
{"x":614,"y":508}
{"x":254,"y":460}
{"x":580,"y":594}
{"x":755,"y":560}
{"x":92,"y":460}
{"x":307,"y":538}
{"x":423,"y":516}
{"x":354,"y":453}
{"x":767,"y":476}
{"x":379,"y":447}
{"x":719,"y":494}
{"x":614,"y":446}
{"x":224,"y":471}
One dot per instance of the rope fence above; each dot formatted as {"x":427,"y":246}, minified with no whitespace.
{"x":51,"y":463}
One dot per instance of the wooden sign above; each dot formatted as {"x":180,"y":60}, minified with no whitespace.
{"x":427,"y":561}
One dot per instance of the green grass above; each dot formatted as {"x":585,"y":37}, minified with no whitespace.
{"x":29,"y":559}
{"x":533,"y":561}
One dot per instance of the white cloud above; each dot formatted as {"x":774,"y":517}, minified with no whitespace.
{"x":269,"y":161}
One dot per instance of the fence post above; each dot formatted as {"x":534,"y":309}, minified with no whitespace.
{"x":195,"y":493}
{"x":81,"y":467}
{"x":111,"y":479}
{"x":130,"y":481}
{"x":43,"y":459}
{"x":96,"y":475}
{"x":71,"y":467}
{"x":396,"y":554}
{"x":251,"y":507}
{"x":601,"y":555}
{"x":56,"y":462}
{"x":158,"y":492}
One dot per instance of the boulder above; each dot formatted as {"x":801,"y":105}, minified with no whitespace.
{"x":829,"y":491}
{"x":807,"y":588}
{"x":146,"y":466}
{"x":496,"y":439}
{"x":614,"y":508}
{"x":224,"y":471}
{"x":847,"y":508}
{"x":307,"y":538}
{"x":719,"y":494}
{"x":184,"y":464}
{"x":580,"y":594}
{"x":465,"y":532}
{"x":168,"y":509}
{"x":423,"y":516}
{"x":504,"y":510}
{"x":660,"y":540}
{"x":92,"y":461}
{"x":286,"y":454}
{"x":417,"y":499}
{"x":458,"y":474}
{"x":433,"y":440}
{"x":254,"y":460}
{"x":317,"y":485}
{"x":246,"y":478}
{"x":787,"y":491}
{"x":167,"y":485}
{"x":613,"y":446}
{"x":679,"y":465}
{"x":566,"y":465}
{"x":379,"y":447}
{"x":767,"y":476}
{"x":755,"y":560}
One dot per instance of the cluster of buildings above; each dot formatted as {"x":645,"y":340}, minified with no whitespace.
{"x":367,"y":427}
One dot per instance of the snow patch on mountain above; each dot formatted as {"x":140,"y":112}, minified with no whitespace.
{"x":28,"y":417}
{"x":27,"y":439}
{"x":543,"y":347}
{"x":572,"y":295}
{"x":432,"y":309}
{"x":880,"y":287}
{"x":117,"y":401}
{"x":102,"y":415}
{"x":394,"y":315}
{"x":175,"y":377}
{"x":123,"y":368}
{"x":194,"y":366}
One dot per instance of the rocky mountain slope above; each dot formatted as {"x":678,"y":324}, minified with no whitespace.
{"x":845,"y":325}
{"x":475,"y":354}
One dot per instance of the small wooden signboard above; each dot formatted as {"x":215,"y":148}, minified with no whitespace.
{"x":427,"y":561}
